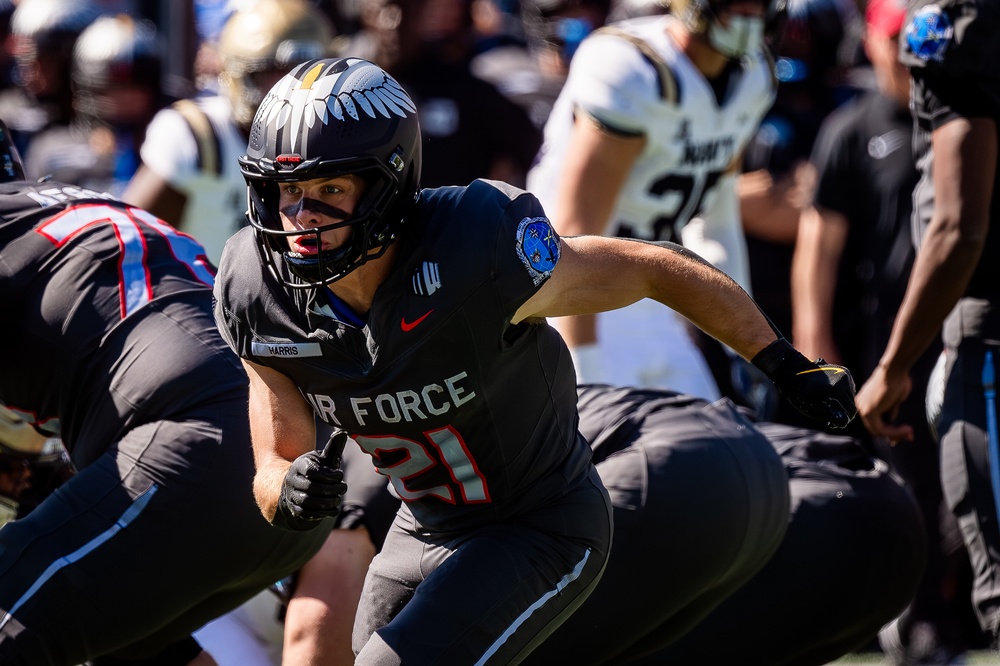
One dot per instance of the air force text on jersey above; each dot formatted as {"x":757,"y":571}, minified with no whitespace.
{"x":408,"y":405}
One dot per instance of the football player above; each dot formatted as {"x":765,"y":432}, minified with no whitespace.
{"x":110,"y":344}
{"x":414,"y":321}
{"x":189,"y":176}
{"x":646,"y":134}
{"x":951,"y":47}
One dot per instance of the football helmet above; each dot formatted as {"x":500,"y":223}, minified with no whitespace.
{"x":44,"y":32}
{"x":327,"y":118}
{"x":41,"y":27}
{"x":265,"y":37}
{"x":114,"y":52}
{"x":11,"y":166}
{"x":32,"y":466}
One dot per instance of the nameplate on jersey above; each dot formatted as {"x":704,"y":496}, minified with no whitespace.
{"x":285,"y":349}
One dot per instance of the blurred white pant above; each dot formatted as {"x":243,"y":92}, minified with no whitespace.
{"x":646,"y":345}
{"x":249,"y":635}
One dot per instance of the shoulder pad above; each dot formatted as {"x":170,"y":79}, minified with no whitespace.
{"x":668,"y":84}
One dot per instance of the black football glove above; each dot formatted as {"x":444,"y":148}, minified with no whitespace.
{"x":313,"y":488}
{"x":819,"y":390}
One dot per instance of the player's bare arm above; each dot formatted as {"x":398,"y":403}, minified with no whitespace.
{"x":596,"y":274}
{"x":820,"y":243}
{"x":282,"y":428}
{"x":596,"y":167}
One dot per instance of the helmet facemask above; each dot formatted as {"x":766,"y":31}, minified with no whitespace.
{"x":374,"y":224}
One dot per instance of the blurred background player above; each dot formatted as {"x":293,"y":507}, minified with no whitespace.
{"x":852,"y":259}
{"x":127,"y":367}
{"x":116,"y":84}
{"x":531,"y":68}
{"x":954,"y":286}
{"x":42,"y":37}
{"x":188,"y":175}
{"x":814,"y":43}
{"x":470,"y":129}
{"x":647,"y":133}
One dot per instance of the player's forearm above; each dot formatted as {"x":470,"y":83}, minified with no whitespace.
{"x":940,"y":276}
{"x":267,"y":485}
{"x":712,"y":300}
{"x":814,"y":276}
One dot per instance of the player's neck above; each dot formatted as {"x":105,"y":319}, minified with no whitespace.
{"x":357,"y":288}
{"x":707,"y":60}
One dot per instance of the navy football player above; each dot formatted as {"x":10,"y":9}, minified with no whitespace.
{"x":111,"y":345}
{"x":413,"y":320}
{"x":645,"y":141}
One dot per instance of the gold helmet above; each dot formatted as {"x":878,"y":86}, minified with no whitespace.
{"x":263,"y":40}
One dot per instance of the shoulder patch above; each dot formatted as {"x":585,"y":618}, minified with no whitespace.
{"x":538,"y":247}
{"x":929,"y":33}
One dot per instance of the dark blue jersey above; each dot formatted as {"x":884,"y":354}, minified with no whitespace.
{"x":78,"y":269}
{"x":473,"y":419}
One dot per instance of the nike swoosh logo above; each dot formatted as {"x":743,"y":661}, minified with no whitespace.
{"x":409,"y":326}
{"x":832,"y":368}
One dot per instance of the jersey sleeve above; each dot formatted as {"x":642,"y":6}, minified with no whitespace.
{"x":170,"y":149}
{"x":526,"y":248}
{"x":237,"y":286}
{"x":611,"y":81}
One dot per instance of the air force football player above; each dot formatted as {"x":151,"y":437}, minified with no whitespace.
{"x":414,"y":321}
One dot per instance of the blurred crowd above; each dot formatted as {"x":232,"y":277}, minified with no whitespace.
{"x":152,"y":101}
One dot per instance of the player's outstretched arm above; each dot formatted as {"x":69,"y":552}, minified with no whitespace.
{"x":596,"y":274}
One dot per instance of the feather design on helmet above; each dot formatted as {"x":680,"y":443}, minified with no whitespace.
{"x":315,"y":94}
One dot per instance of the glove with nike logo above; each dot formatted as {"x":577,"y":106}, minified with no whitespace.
{"x":819,"y":390}
{"x":313,"y":488}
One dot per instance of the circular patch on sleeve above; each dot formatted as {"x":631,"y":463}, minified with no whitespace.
{"x":929,"y":33}
{"x":538,"y":247}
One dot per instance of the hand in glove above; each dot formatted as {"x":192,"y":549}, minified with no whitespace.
{"x":313,"y":487}
{"x":819,"y":390}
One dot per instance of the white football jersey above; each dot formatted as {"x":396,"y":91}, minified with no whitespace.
{"x":216,"y":202}
{"x":688,"y":168}
{"x":692,"y":138}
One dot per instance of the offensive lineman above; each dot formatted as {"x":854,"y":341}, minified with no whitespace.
{"x":646,"y":134}
{"x":111,"y":345}
{"x":412,"y":319}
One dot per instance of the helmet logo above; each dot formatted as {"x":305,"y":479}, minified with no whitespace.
{"x":289,"y":160}
{"x":305,"y":96}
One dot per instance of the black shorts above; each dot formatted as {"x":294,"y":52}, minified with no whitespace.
{"x":486,"y":596}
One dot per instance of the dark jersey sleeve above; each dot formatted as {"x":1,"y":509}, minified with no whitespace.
{"x":526,"y":247}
